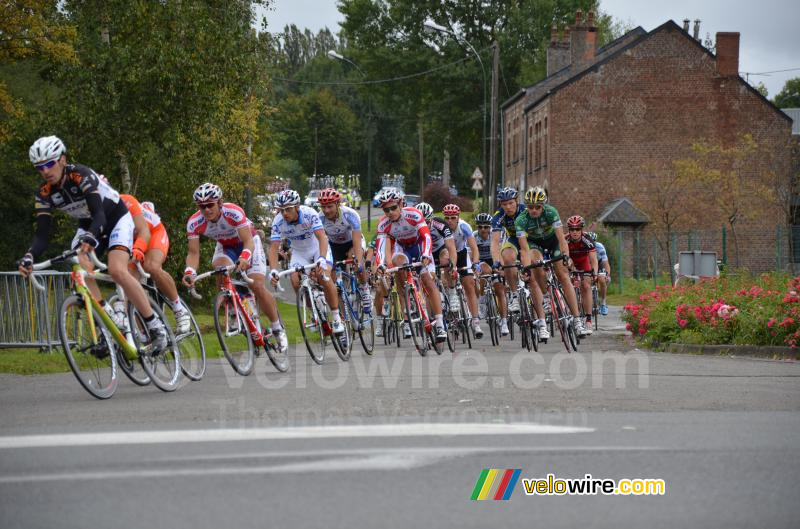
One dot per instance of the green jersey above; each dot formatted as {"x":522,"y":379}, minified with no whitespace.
{"x":538,"y":228}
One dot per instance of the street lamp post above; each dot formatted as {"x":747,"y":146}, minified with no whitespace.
{"x":433,"y":26}
{"x":332,"y":54}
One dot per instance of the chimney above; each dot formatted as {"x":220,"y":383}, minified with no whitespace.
{"x":686,"y":25}
{"x":558,"y":51}
{"x":696,"y":34}
{"x":583,"y":39}
{"x":727,"y":53}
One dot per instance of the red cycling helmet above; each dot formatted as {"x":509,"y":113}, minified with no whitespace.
{"x":329,"y":196}
{"x":576,"y":221}
{"x":451,"y":210}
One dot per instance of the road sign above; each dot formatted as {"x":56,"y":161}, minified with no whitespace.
{"x":477,"y":185}
{"x":477,"y":175}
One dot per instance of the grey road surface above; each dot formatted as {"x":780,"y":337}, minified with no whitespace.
{"x":395,"y":439}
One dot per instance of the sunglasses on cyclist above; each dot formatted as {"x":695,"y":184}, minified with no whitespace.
{"x":45,"y":165}
{"x":206,"y":205}
{"x":451,"y":217}
{"x":534,"y":207}
{"x":285,"y":209}
{"x":575,"y":229}
{"x":390,"y":208}
{"x":484,"y":226}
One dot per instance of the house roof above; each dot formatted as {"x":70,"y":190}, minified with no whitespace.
{"x":612,"y":50}
{"x":622,"y":211}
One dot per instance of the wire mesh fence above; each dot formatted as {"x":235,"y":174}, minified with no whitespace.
{"x":648,"y":254}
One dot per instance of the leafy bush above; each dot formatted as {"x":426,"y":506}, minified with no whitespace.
{"x":733,"y":309}
{"x":438,"y":195}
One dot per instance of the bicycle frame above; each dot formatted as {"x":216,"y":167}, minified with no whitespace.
{"x":411,"y":280}
{"x":229,"y":286}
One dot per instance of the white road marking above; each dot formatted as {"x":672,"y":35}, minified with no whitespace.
{"x":300,"y":432}
{"x":342,"y":460}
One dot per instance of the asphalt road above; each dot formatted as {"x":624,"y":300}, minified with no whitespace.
{"x":396,"y":439}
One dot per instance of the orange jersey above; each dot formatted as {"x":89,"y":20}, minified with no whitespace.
{"x":153,"y":220}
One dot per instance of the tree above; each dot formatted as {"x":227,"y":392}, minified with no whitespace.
{"x":789,"y":97}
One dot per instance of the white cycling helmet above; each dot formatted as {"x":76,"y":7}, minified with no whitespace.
{"x":45,"y":149}
{"x":388,"y":196}
{"x":287,"y":197}
{"x":426,"y":210}
{"x":207,"y":192}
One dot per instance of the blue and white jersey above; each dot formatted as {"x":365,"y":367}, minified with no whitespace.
{"x":300,"y":233}
{"x":601,"y":252}
{"x":484,"y":246}
{"x":462,"y":234}
{"x":340,"y":231}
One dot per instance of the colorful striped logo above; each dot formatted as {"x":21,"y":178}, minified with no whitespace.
{"x":496,"y":484}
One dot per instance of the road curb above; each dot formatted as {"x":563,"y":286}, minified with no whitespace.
{"x":771,"y":352}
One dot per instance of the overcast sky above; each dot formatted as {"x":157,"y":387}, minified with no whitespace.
{"x":770,"y":29}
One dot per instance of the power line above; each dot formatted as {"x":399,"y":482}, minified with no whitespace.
{"x":773,"y":71}
{"x":376,"y":81}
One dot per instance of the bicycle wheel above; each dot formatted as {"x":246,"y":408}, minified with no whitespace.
{"x":234,"y":338}
{"x":93,"y":362}
{"x":415,"y":321}
{"x":532,"y":328}
{"x":560,"y":318}
{"x":595,"y":308}
{"x":192,"y":348}
{"x":397,"y":316}
{"x":132,"y":369}
{"x":524,"y":319}
{"x":343,"y":349}
{"x":310,"y":326}
{"x":510,"y":316}
{"x":492,"y":318}
{"x":163,"y":367}
{"x":466,"y":320}
{"x":366,"y":330}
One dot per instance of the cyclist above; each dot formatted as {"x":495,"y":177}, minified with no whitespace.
{"x":584,"y":259}
{"x":604,"y":277}
{"x":237,"y":243}
{"x":483,"y":238}
{"x":505,"y":247}
{"x":151,"y":251}
{"x":302,"y":226}
{"x":343,"y":227}
{"x":104,"y":223}
{"x":442,"y":243}
{"x":467,"y":256}
{"x":404,"y":230}
{"x":539,"y":229}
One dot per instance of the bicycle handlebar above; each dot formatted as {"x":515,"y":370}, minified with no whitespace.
{"x":217,"y":271}
{"x":407,"y":266}
{"x":64,"y":256}
{"x":289,"y":271}
{"x":141,"y":270}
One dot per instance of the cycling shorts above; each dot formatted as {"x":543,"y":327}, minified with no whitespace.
{"x":159,"y":240}
{"x":120,"y":236}
{"x":549,"y":244}
{"x":412,"y":254}
{"x":258,"y":262}
{"x":307,"y":256}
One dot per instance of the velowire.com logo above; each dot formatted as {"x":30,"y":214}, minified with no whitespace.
{"x":496,"y":484}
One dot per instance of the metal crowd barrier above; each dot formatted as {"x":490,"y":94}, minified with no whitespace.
{"x":28,"y":318}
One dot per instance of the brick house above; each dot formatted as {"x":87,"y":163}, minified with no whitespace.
{"x":604,"y":114}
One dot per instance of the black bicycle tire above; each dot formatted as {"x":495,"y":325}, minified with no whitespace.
{"x":128,"y":367}
{"x":466,"y":321}
{"x":558,"y":317}
{"x":336,"y":340}
{"x":172,"y":348}
{"x":419,"y":341}
{"x":251,"y":348}
{"x":306,"y":302}
{"x":524,"y":319}
{"x":282,"y":364}
{"x":108,"y":391}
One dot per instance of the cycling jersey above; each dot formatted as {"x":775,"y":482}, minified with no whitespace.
{"x":462,"y":234}
{"x":505,"y":224}
{"x":407,"y":231}
{"x":484,"y":247}
{"x":225,"y":230}
{"x":300,"y":233}
{"x":440,"y":232}
{"x":340,"y":231}
{"x":579,"y":252}
{"x":83,"y":196}
{"x":601,"y":252}
{"x":538,"y":228}
{"x":136,"y":208}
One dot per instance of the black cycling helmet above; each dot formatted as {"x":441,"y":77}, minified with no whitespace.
{"x":483,"y":219}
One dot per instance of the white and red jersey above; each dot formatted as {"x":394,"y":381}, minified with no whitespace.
{"x":410,"y":229}
{"x":225,"y":230}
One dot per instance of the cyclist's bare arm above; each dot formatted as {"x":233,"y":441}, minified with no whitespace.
{"x":524,"y":251}
{"x":322,"y":238}
{"x":274,"y":249}
{"x":593,"y":262}
{"x":562,"y":241}
{"x":495,"y":246}
{"x":357,"y":249}
{"x":141,"y":229}
{"x":473,"y":250}
{"x":192,"y":257}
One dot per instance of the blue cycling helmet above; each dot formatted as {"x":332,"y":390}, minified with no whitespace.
{"x":507,"y":193}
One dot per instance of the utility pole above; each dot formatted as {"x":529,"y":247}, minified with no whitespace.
{"x":493,"y":127}
{"x":421,"y":159}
